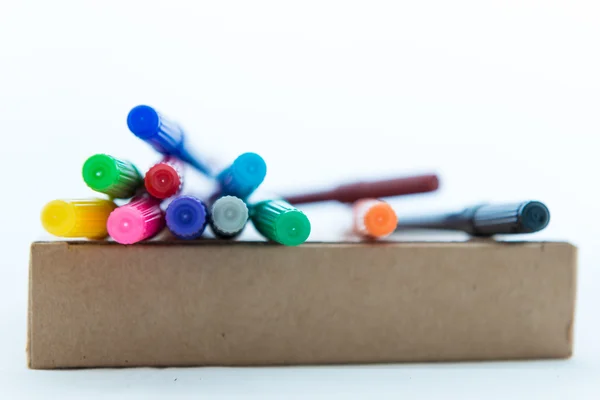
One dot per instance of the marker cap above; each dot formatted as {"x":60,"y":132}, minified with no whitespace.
{"x":138,"y":220}
{"x":186,"y":217}
{"x":535,"y":216}
{"x":509,"y":218}
{"x":117,"y":178}
{"x":163,"y":135}
{"x":277,"y":220}
{"x":77,"y":218}
{"x":143,"y":121}
{"x":164,"y":179}
{"x":243,"y":176}
{"x":229,"y":215}
{"x":374,"y":218}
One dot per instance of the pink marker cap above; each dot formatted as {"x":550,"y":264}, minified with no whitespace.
{"x":138,"y":220}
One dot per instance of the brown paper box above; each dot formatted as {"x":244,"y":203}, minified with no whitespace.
{"x":99,"y":304}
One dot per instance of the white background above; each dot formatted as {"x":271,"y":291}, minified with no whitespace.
{"x":502,"y":98}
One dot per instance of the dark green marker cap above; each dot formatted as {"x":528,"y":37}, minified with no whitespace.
{"x":117,"y":178}
{"x":278,"y":221}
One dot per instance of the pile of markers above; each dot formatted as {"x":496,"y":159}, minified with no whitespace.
{"x":153,"y":200}
{"x":139,"y":206}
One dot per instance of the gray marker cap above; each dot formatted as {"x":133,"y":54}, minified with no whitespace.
{"x":229,"y":215}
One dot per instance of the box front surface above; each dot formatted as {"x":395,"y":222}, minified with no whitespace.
{"x":106,"y":305}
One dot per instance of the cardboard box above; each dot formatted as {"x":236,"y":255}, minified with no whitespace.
{"x":100,"y":304}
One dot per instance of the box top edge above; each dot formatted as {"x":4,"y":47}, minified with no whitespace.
{"x":220,"y":243}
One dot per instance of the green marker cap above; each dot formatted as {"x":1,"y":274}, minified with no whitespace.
{"x":117,"y":178}
{"x":277,"y":220}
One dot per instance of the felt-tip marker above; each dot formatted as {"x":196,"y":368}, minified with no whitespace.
{"x":119,"y":179}
{"x":374,"y":218}
{"x":164,"y":135}
{"x":243,"y":176}
{"x":484,"y":219}
{"x":138,"y":220}
{"x":351,"y":192}
{"x":84,"y":218}
{"x":165,"y":178}
{"x":228,"y":216}
{"x":186,"y":217}
{"x":280,"y":222}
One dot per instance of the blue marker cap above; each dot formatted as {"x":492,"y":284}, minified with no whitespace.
{"x":164,"y":135}
{"x":244,"y":176}
{"x":186,"y":217}
{"x":143,"y":121}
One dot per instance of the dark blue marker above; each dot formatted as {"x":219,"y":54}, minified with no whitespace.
{"x":164,"y":135}
{"x":485,"y":219}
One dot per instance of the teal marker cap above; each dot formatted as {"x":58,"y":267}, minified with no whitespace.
{"x":280,"y":222}
{"x":243,"y":177}
{"x":119,"y":179}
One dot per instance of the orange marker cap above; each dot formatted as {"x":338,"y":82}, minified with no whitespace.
{"x":374,"y":218}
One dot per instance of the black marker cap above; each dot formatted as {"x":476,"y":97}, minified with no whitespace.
{"x":535,"y":216}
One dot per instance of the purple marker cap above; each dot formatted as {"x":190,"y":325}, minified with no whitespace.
{"x":186,"y":217}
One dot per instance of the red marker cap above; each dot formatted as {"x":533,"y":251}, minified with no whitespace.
{"x":164,"y":179}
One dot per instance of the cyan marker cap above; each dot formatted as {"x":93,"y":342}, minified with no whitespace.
{"x":243,"y":177}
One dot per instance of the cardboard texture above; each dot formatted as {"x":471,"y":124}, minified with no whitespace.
{"x":99,"y":304}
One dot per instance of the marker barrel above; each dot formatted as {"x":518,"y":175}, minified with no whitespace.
{"x":243,"y":176}
{"x":349,"y":193}
{"x":278,"y":221}
{"x":186,"y":217}
{"x":374,"y":218}
{"x":138,"y":220}
{"x":119,"y":179}
{"x":485,"y":219}
{"x":77,"y":218}
{"x":165,"y":179}
{"x":228,"y":216}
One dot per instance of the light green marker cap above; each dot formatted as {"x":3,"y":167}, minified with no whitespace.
{"x":117,"y":178}
{"x":277,"y":220}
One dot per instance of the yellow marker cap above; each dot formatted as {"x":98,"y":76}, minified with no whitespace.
{"x":77,"y":218}
{"x":374,"y":218}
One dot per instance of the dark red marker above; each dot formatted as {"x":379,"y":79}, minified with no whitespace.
{"x":351,"y":192}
